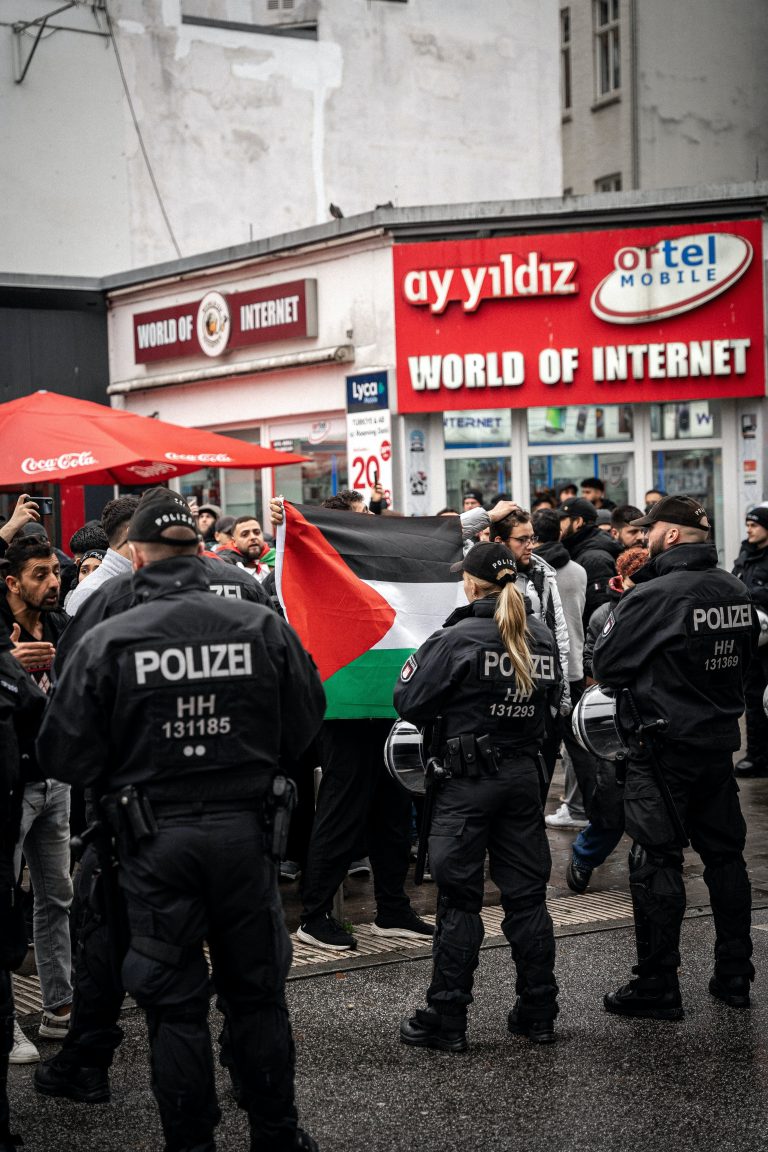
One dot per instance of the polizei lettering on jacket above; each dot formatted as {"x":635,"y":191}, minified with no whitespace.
{"x":720,"y":618}
{"x":499,"y":666}
{"x":174,"y":664}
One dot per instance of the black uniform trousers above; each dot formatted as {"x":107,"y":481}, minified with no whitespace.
{"x":206,"y":876}
{"x":706,"y":797}
{"x":500,"y":814}
{"x":358,"y":805}
{"x":98,"y":992}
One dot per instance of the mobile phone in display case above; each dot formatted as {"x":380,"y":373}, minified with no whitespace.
{"x":581,"y":421}
{"x":625,"y":419}
{"x":599,"y":423}
{"x":555,"y":418}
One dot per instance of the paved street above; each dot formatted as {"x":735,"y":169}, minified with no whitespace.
{"x":608,"y":1084}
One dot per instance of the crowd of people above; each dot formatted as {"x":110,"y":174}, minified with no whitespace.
{"x":182,"y":693}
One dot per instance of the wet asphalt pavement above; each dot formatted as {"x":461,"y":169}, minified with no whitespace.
{"x":607,"y":1084}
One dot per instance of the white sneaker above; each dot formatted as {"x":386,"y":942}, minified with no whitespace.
{"x":53,"y":1027}
{"x":23,"y":1051}
{"x":563,"y":819}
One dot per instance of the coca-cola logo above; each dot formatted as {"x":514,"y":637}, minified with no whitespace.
{"x":66,"y":461}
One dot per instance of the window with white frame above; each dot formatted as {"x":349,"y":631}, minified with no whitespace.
{"x":565,"y":59}
{"x":610,"y":183}
{"x":607,"y":44}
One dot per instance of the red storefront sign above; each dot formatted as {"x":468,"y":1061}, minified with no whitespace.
{"x":636,"y":315}
{"x":218,"y":323}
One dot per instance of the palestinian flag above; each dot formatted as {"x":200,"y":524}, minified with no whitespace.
{"x":363,"y":592}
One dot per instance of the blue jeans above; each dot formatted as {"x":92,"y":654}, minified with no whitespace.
{"x":44,"y":840}
{"x":593,"y":846}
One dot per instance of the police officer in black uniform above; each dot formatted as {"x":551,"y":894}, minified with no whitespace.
{"x":679,"y":643}
{"x":79,"y":1070}
{"x":21,"y":707}
{"x":490,"y":674}
{"x":189,"y":703}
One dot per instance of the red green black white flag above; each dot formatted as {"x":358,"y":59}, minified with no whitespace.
{"x":363,"y":592}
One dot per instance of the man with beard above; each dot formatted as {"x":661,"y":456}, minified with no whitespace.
{"x":596,"y":551}
{"x":675,"y":649}
{"x":29,"y":610}
{"x":623,"y":531}
{"x":249,"y":549}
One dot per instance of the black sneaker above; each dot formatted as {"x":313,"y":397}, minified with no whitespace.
{"x":325,"y":932}
{"x":304,"y":1142}
{"x":403,"y":926}
{"x":732,"y":990}
{"x":653,"y":999}
{"x":537,"y":1031}
{"x":750,"y":767}
{"x":577,"y":877}
{"x":85,"y":1085}
{"x":428,"y":1029}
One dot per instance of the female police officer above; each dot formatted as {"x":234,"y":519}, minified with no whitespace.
{"x":489,"y":674}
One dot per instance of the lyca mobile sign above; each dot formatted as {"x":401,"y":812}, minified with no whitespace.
{"x":597,"y":317}
{"x":220,"y":322}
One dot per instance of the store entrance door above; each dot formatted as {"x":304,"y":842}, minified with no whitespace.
{"x":615,"y":469}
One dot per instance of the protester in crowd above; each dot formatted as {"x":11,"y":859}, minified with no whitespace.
{"x":207,"y":515}
{"x":222,"y":533}
{"x":571,"y":584}
{"x":34,"y":623}
{"x":596,"y":551}
{"x":623,"y":531}
{"x":196,"y":837}
{"x":593,"y":489}
{"x":114,"y":520}
{"x":90,"y":537}
{"x":249,"y":549}
{"x":603,"y":520}
{"x":652,"y":496}
{"x":602,"y":833}
{"x":473,"y":498}
{"x":89,"y":562}
{"x":543,"y":499}
{"x":751,"y":567}
{"x":567,"y":492}
{"x":490,"y":673}
{"x":666,"y":651}
{"x":25,"y":512}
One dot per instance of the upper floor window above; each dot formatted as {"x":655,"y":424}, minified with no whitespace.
{"x":565,"y":59}
{"x":607,"y":61}
{"x":610,"y":183}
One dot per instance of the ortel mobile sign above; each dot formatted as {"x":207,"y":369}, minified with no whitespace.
{"x":644,"y":314}
{"x":219,"y":323}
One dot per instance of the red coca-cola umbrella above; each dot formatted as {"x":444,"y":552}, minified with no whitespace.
{"x":49,"y":437}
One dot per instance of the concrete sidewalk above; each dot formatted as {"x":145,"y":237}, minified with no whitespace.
{"x":608,"y":1084}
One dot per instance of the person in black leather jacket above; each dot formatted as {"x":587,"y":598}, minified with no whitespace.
{"x":490,"y":674}
{"x":596,"y":551}
{"x":751,"y":567}
{"x":190,"y":702}
{"x":678,"y":644}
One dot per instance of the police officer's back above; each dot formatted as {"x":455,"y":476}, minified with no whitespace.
{"x":678,"y":643}
{"x":490,"y":676}
{"x":189,"y":702}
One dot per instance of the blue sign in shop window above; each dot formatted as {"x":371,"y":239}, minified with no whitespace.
{"x":367,"y":391}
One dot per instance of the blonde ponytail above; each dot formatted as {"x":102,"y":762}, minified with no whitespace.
{"x":510,"y":618}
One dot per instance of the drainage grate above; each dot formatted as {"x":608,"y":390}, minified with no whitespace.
{"x":566,"y":911}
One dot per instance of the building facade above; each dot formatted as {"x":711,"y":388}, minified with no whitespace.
{"x":506,"y":347}
{"x":138,"y":132}
{"x":660,"y":95}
